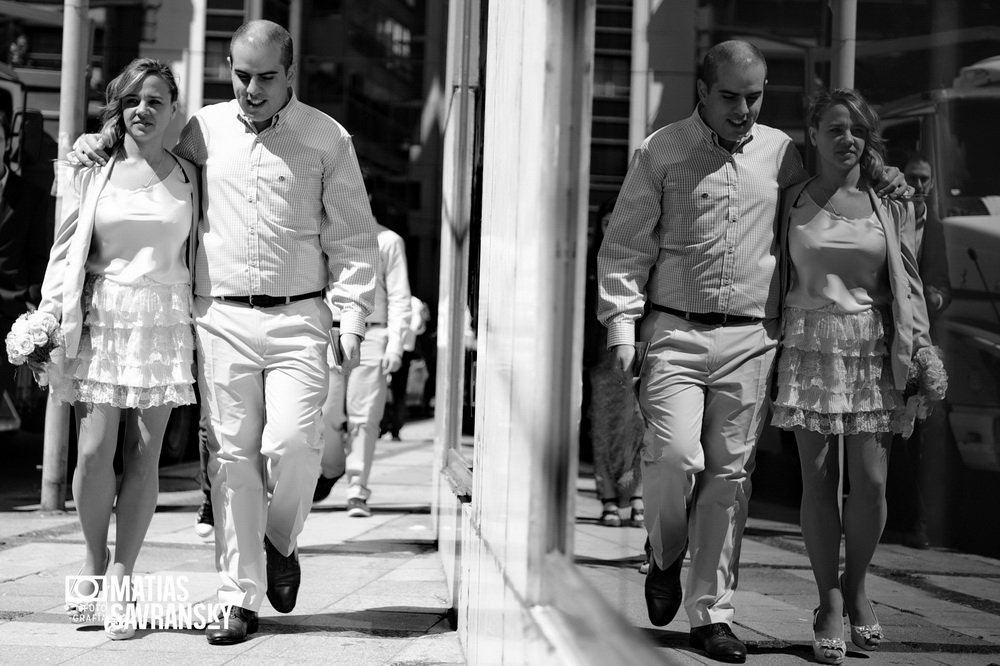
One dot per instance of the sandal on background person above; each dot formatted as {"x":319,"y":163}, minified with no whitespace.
{"x":637,"y":517}
{"x":610,"y":514}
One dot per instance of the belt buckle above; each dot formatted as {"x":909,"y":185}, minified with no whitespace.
{"x":715,"y":318}
{"x":262,"y":301}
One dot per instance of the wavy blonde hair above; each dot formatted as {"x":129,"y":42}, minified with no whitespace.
{"x":873,"y":158}
{"x":130,"y":78}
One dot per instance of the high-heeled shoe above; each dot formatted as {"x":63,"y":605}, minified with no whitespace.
{"x":118,"y":626}
{"x":828,"y":650}
{"x":865,"y":636}
{"x":78,"y":610}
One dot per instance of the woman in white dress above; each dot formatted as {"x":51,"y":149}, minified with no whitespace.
{"x":119,"y":282}
{"x":854,"y":319}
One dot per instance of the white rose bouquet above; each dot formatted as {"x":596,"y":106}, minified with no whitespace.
{"x":32,"y":339}
{"x":926,"y":384}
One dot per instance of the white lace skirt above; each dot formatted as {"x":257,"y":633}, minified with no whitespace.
{"x":834,"y":374}
{"x":136,"y":346}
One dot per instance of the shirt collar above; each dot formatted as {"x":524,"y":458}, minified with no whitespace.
{"x":711,"y":136}
{"x":287,"y":111}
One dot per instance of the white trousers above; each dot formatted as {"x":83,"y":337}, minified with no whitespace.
{"x":704,"y":396}
{"x":363,"y":394}
{"x":263,"y":378}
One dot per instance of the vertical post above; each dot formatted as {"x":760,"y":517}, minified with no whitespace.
{"x":639,"y":112}
{"x":295,"y":30}
{"x":72,"y":104}
{"x":462,"y":78}
{"x":844,"y":42}
{"x":195,"y":83}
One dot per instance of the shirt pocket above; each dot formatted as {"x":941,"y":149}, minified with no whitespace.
{"x":295,"y":193}
{"x":695,"y":214}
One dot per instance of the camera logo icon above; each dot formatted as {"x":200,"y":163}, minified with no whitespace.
{"x":85,"y":589}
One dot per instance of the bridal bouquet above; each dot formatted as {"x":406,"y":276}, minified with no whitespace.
{"x":32,"y":339}
{"x":926,"y":383}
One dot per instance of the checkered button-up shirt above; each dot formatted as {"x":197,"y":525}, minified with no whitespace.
{"x":285,"y":209}
{"x":694,"y":227}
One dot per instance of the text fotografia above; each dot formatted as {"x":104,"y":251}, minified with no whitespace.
{"x":146,"y":602}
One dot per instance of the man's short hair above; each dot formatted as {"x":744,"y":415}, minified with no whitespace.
{"x":915,"y":157}
{"x":732,"y":52}
{"x":5,"y":123}
{"x":265,"y":32}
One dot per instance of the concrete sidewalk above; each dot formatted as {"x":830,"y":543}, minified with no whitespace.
{"x":373,"y":590}
{"x":935,"y":606}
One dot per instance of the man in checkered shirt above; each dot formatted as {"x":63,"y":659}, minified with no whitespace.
{"x":285,"y":217}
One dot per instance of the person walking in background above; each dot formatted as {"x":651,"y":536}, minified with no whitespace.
{"x":395,"y":410}
{"x":24,"y":248}
{"x":616,"y":422}
{"x":286,"y":217}
{"x":693,"y":233}
{"x":358,"y":400}
{"x":204,"y":522}
{"x":854,"y":317}
{"x":119,"y":282}
{"x":932,"y":260}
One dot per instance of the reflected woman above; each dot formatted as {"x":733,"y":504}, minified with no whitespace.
{"x":854,"y":316}
{"x":119,"y":282}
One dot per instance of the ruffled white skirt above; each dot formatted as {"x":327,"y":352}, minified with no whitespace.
{"x":834,"y":374}
{"x":136,"y":346}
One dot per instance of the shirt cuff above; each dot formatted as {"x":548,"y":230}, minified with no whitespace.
{"x":395,"y":347}
{"x":352,"y":322}
{"x":621,"y":333}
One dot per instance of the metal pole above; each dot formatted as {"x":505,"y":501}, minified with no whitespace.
{"x":295,"y":30}
{"x":844,"y":42}
{"x":72,"y":104}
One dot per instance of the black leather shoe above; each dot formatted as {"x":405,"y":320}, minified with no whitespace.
{"x":323,"y":487}
{"x":663,"y":591}
{"x":718,"y":642}
{"x":242,"y":623}
{"x":283,"y":578}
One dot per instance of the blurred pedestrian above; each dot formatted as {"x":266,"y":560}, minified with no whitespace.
{"x":395,"y":410}
{"x":932,"y":259}
{"x":357,"y":400}
{"x":616,"y":423}
{"x":24,"y":248}
{"x":854,"y":317}
{"x":119,"y":282}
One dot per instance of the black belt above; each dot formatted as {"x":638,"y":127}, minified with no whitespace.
{"x":708,"y":318}
{"x":265,"y":301}
{"x":368,"y":324}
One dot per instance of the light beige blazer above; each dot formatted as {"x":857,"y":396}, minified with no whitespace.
{"x":909,"y":311}
{"x":62,"y":288}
